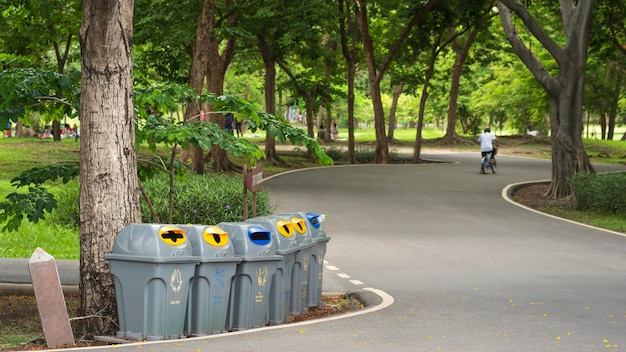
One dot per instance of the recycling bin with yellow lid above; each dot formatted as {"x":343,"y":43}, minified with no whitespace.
{"x":312,"y":225}
{"x":152,"y":265}
{"x":211,"y":284}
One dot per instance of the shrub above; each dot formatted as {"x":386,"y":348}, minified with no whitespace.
{"x":362,"y":154}
{"x":202,"y":199}
{"x":198,"y":199}
{"x":600,"y":192}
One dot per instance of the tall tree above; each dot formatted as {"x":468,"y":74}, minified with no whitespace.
{"x":566,"y":89}
{"x":108,"y":167}
{"x":349,"y":39}
{"x":221,"y":48}
{"x":376,"y":71}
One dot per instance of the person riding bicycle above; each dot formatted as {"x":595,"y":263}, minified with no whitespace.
{"x":488,"y":143}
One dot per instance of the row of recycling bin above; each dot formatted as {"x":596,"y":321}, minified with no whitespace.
{"x":177,"y":281}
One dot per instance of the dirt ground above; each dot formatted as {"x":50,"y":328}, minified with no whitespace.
{"x":19,"y":317}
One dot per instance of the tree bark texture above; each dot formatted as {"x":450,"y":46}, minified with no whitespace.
{"x":566,"y":90}
{"x":109,"y":198}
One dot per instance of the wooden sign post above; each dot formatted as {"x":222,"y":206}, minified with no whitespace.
{"x":252,"y":181}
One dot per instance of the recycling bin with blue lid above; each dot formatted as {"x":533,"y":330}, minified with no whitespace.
{"x":289,"y":281}
{"x":152,"y":265}
{"x":313,"y":227}
{"x":249,"y":296}
{"x":211,"y":284}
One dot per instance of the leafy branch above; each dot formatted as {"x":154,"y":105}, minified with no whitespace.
{"x":38,"y":200}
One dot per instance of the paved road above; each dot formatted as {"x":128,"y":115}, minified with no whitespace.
{"x":465,"y":269}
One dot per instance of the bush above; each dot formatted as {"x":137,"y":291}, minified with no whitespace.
{"x":198,"y":199}
{"x":600,"y":192}
{"x":202,"y":199}
{"x":362,"y":154}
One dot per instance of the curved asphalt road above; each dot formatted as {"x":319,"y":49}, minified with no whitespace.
{"x":466,"y":269}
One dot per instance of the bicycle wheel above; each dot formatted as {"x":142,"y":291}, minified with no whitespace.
{"x":493,"y":167}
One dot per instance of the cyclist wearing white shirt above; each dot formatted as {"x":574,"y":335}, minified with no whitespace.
{"x":487,"y":141}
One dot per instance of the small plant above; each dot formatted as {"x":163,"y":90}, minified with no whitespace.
{"x":336,"y":154}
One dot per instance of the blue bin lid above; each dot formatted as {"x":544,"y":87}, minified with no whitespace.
{"x":249,"y":240}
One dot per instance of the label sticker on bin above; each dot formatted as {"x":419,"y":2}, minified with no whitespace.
{"x":172,"y":235}
{"x":215,"y":236}
{"x":285,"y":228}
{"x":299,"y":225}
{"x":259,"y":235}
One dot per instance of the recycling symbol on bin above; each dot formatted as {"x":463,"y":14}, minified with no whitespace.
{"x":261,"y":275}
{"x":219,"y":276}
{"x":176,"y":281}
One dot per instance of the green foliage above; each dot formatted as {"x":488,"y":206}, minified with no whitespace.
{"x":600,"y":192}
{"x":38,"y":200}
{"x":52,"y":94}
{"x":168,"y":97}
{"x":363,"y":154}
{"x":198,"y":199}
{"x":203,"y":199}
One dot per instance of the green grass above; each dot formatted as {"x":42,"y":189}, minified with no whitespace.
{"x":17,"y":155}
{"x":611,"y":222}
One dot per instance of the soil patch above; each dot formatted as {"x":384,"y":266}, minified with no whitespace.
{"x":19,"y":317}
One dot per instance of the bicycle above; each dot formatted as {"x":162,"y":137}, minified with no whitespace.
{"x":487,"y":162}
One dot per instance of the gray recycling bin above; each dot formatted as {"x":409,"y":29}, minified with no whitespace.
{"x":290,"y":280}
{"x":249,"y":296}
{"x":210,"y":286}
{"x":152,"y":265}
{"x":314,"y":228}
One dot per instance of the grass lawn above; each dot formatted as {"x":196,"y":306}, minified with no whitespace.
{"x":17,"y":155}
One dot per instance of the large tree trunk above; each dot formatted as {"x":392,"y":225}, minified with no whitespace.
{"x":109,"y":198}
{"x":565,"y":91}
{"x":374,"y":77}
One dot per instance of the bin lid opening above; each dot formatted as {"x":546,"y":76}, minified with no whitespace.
{"x":215,"y":236}
{"x":314,"y":219}
{"x":285,"y":228}
{"x":259,"y":235}
{"x":172,"y":236}
{"x":299,"y":225}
